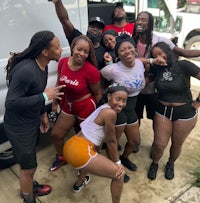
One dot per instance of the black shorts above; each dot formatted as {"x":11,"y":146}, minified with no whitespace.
{"x":148,"y":100}
{"x":24,"y":147}
{"x":184,"y":112}
{"x":128,"y":114}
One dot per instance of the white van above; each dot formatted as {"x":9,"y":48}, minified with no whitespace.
{"x":19,"y":20}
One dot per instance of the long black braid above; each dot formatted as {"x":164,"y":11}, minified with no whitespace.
{"x":39,"y":41}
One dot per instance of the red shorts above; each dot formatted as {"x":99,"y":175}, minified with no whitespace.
{"x":78,"y":151}
{"x":82,"y":109}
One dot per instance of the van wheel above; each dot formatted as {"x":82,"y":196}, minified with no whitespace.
{"x":6,"y":159}
{"x":193,"y":43}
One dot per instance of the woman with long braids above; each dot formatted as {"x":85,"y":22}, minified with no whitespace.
{"x":83,"y":90}
{"x":27,"y":73}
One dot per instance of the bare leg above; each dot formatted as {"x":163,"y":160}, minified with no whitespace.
{"x":162,"y":134}
{"x":62,"y":126}
{"x":26,"y":183}
{"x":181,"y":130}
{"x":102,"y":166}
{"x":133,"y":138}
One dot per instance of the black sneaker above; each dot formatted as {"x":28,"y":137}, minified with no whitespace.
{"x":119,"y":147}
{"x":136,"y":149}
{"x":126,"y":162}
{"x":33,"y":201}
{"x":84,"y":183}
{"x":126,"y":178}
{"x":169,"y":171}
{"x":152,"y":172}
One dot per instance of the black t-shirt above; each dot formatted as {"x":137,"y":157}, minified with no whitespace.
{"x":99,"y":53}
{"x":173,"y":83}
{"x":75,"y":33}
{"x":24,"y":101}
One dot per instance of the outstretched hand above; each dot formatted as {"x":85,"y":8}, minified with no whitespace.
{"x":55,"y":93}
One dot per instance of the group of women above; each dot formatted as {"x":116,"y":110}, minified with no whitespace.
{"x":175,"y":117}
{"x":80,"y":87}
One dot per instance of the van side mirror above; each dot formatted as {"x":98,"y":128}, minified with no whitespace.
{"x":178,"y":24}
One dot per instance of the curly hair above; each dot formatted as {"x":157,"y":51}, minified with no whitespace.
{"x":39,"y":41}
{"x":91,"y":57}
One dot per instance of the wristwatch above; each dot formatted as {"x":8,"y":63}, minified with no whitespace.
{"x":198,"y":99}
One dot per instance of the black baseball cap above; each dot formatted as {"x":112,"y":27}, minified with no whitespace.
{"x":97,"y":20}
{"x":119,"y":5}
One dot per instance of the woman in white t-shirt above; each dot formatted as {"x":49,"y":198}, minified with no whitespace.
{"x":129,"y":72}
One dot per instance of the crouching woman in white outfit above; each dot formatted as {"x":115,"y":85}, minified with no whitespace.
{"x":80,"y":150}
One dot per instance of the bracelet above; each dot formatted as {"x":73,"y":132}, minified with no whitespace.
{"x":109,"y":62}
{"x":151,"y":60}
{"x":118,"y":162}
{"x":45,"y":96}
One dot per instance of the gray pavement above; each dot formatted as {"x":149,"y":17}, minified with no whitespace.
{"x":138,"y":190}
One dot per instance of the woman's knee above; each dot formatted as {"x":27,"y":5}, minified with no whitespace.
{"x":133,"y":141}
{"x":118,"y":180}
{"x":57,"y":134}
{"x":158,"y":147}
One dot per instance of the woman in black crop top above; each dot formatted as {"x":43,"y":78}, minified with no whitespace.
{"x":176,"y":112}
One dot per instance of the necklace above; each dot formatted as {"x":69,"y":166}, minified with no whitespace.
{"x":72,"y":66}
{"x":40,"y":65}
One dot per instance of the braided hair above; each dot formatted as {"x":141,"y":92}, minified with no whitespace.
{"x":91,"y":57}
{"x":39,"y":41}
{"x":148,"y":31}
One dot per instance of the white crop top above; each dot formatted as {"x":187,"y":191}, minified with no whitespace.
{"x":93,"y":132}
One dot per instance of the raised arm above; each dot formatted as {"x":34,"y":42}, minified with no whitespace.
{"x":63,"y":17}
{"x":186,"y":53}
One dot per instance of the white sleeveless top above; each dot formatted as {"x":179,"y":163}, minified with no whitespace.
{"x":93,"y":132}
